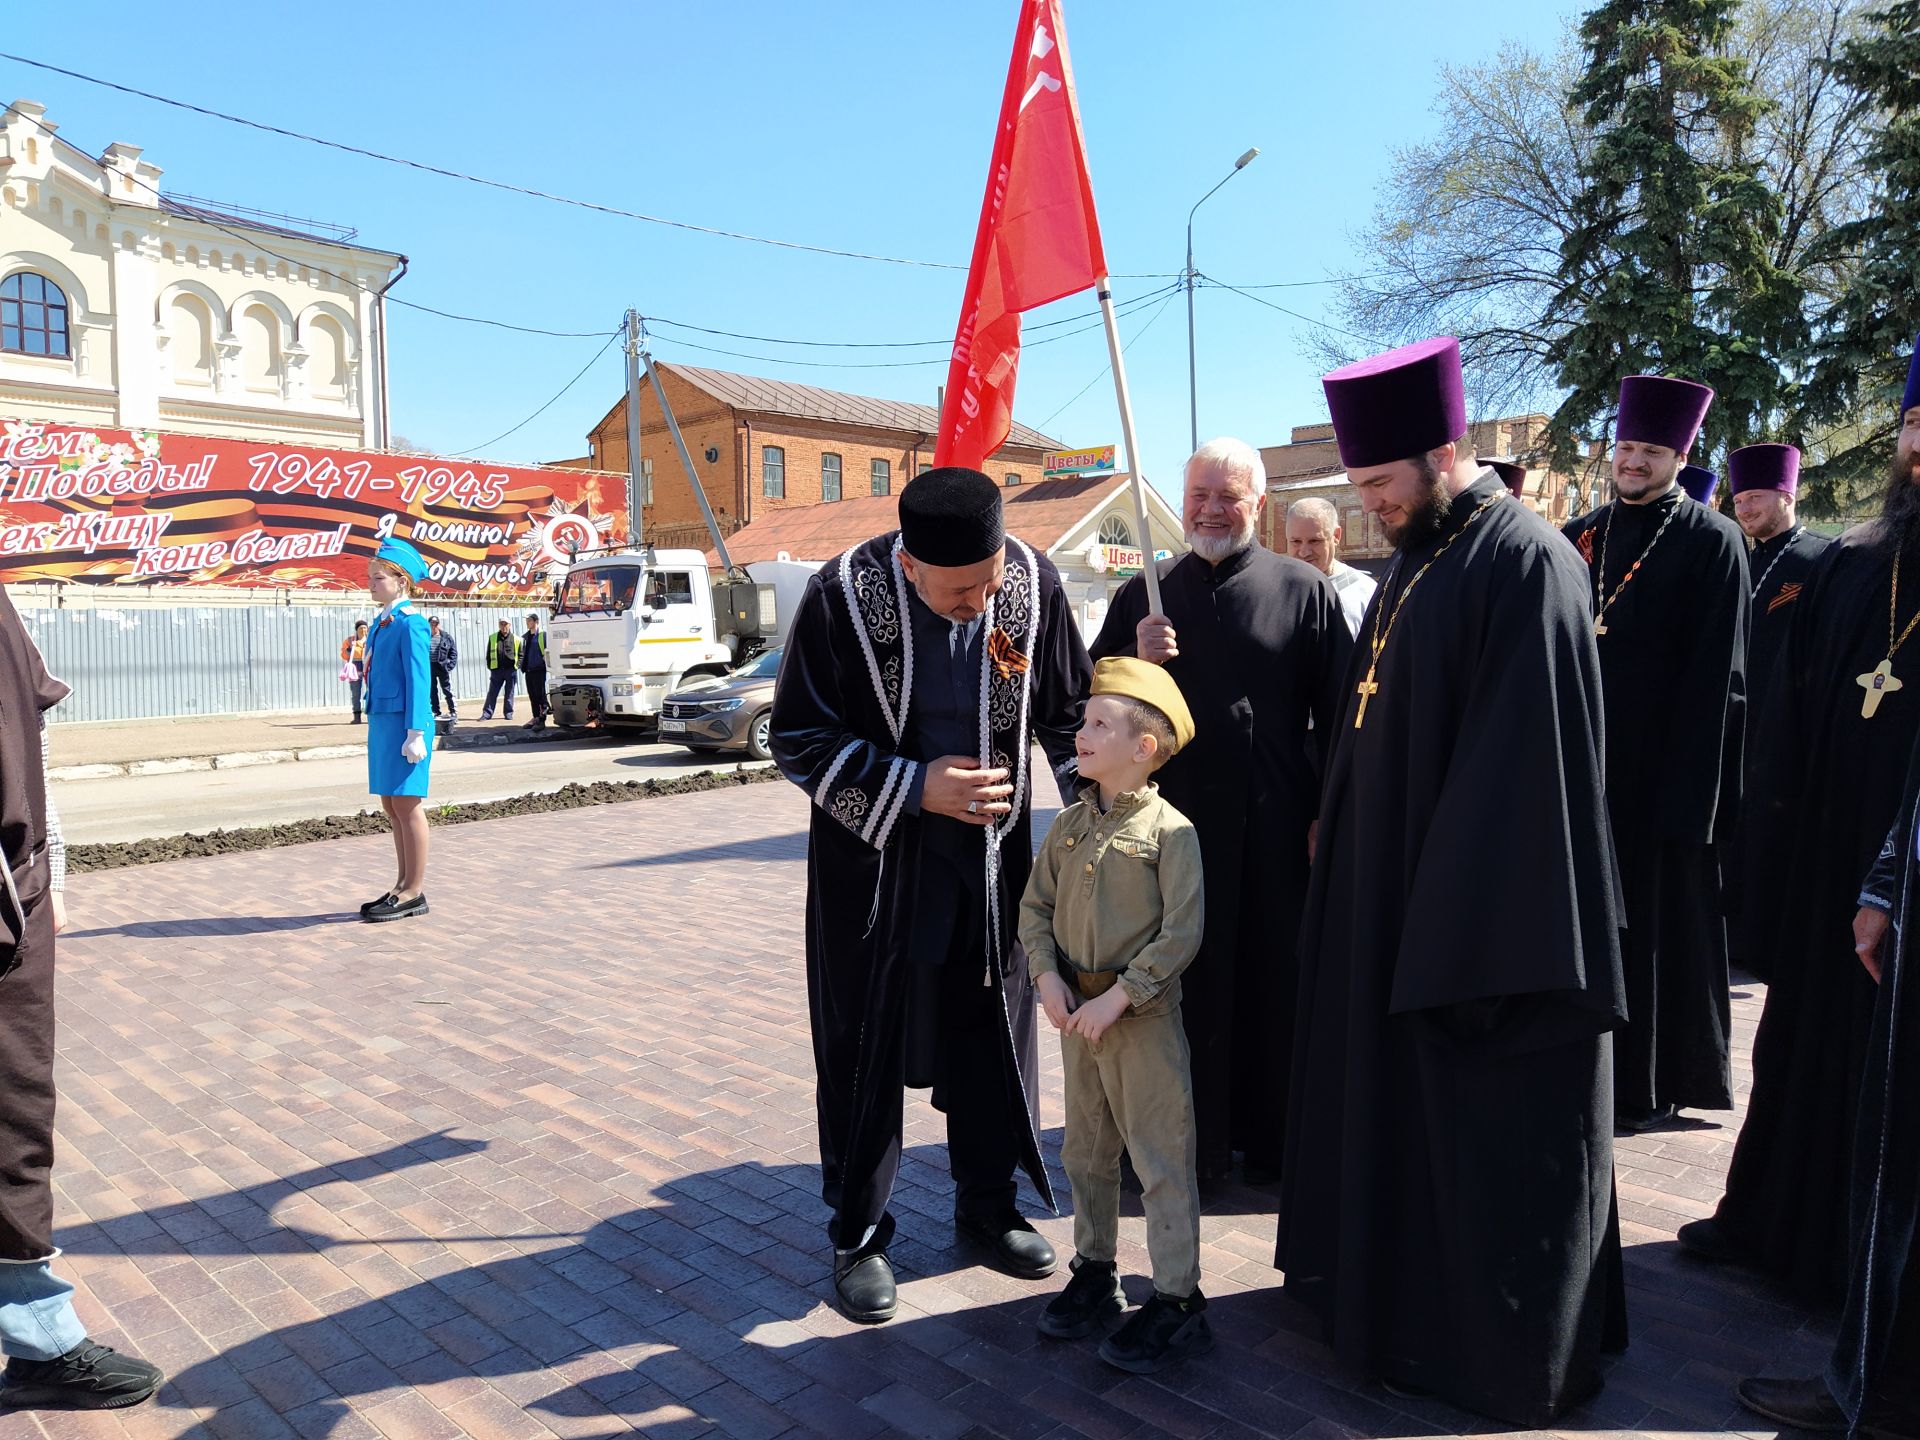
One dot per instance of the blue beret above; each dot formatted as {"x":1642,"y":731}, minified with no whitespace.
{"x":400,"y":553}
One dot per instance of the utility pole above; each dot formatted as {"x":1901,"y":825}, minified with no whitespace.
{"x":634,"y":492}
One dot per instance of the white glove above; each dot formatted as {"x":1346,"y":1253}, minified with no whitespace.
{"x":415,"y":750}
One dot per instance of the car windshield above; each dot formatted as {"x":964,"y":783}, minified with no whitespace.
{"x":603,"y":589}
{"x":763,"y":666}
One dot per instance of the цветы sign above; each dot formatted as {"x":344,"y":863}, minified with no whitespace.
{"x":121,"y":507}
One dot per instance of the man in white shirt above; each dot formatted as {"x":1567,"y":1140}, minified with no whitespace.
{"x":1313,"y":535}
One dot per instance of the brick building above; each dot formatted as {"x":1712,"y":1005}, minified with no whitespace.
{"x":1310,"y":466}
{"x":762,"y":446}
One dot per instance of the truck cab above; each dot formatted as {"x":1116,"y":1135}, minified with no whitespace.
{"x":626,"y":630}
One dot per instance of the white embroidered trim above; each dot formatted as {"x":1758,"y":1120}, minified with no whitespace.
{"x":899,"y":805}
{"x":821,"y":796}
{"x":886,"y":795}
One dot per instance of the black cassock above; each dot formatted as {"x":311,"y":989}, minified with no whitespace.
{"x":1673,"y":660}
{"x":914,"y":973}
{"x":1814,"y":820}
{"x":1876,"y":1358}
{"x":1448,"y":1207}
{"x":1262,"y":648}
{"x":26,"y":951}
{"x":1780,"y":566}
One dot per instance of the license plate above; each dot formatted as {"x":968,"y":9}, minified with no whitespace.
{"x":673,"y":727}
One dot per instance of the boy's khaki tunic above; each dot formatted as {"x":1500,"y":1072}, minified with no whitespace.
{"x":1117,"y":899}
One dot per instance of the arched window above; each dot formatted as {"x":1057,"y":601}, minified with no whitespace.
{"x":190,"y":324}
{"x":33,"y":316}
{"x":1114,"y":530}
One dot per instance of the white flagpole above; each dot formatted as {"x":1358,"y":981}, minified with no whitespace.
{"x":1148,"y":571}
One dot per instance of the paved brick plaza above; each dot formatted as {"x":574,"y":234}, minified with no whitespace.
{"x":542,"y":1165}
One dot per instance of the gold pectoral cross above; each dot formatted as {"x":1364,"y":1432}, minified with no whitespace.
{"x":1879,"y":683}
{"x":1366,"y":690}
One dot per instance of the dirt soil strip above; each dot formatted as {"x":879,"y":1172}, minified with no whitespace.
{"x":337,"y":827}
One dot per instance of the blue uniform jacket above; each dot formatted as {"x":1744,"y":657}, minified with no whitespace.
{"x":397,"y":676}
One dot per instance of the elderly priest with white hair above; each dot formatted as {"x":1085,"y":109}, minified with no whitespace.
{"x":1257,"y":644}
{"x":1314,"y":535}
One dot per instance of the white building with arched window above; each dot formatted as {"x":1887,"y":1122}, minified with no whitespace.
{"x":125,"y":307}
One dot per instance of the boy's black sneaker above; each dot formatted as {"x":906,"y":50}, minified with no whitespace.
{"x":1160,"y":1333}
{"x":87,"y":1377}
{"x":1092,"y":1295}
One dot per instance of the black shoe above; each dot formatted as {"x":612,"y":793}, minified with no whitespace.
{"x":1402,"y":1390}
{"x":1639,"y":1122}
{"x":1708,"y":1240}
{"x":1802,"y":1404}
{"x":1160,"y":1333}
{"x":1091,"y":1296}
{"x":1021,"y":1250}
{"x":863,"y":1284}
{"x":354,"y":721}
{"x":87,"y":1377}
{"x":367,"y":908}
{"x":390,"y":908}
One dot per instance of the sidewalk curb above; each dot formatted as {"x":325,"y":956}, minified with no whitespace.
{"x":243,"y":759}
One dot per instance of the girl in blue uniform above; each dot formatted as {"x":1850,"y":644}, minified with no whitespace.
{"x":399,"y":723}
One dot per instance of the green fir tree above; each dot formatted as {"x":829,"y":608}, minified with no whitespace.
{"x":1675,"y":220}
{"x":1863,"y":338}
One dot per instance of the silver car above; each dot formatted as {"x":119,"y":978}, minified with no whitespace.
{"x":734,"y":712}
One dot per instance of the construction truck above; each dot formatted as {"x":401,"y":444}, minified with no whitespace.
{"x":631,"y":625}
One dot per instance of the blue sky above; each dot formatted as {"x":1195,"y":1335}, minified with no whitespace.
{"x":864,"y":126}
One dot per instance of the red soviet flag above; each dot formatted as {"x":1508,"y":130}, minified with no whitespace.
{"x":1038,"y":238}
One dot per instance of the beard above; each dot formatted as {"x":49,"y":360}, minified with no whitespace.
{"x":1425,"y":516}
{"x":1215,"y":548}
{"x":1900,"y":506}
{"x":1632,"y":489}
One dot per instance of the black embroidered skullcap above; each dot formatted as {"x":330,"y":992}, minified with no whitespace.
{"x":951,"y":517}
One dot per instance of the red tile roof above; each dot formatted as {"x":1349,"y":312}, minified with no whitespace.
{"x":1040,"y":514}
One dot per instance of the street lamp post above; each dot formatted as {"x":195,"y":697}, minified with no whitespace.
{"x":1193,"y":383}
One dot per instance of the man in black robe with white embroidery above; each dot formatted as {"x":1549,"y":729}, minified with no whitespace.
{"x":1812,"y":826}
{"x":1671,"y":606}
{"x":919,"y":670}
{"x":1258,"y":644}
{"x":1448,"y":1203}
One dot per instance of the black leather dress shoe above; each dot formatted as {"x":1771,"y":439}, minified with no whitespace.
{"x":1708,"y":1240}
{"x":1020,"y":1250}
{"x":863,"y":1284}
{"x":392,"y":908}
{"x":1804,"y":1404}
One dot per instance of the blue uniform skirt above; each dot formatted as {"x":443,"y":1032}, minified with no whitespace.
{"x":388,"y":771}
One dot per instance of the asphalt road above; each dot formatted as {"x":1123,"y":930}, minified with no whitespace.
{"x":145,"y":806}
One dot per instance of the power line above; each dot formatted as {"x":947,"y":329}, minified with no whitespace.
{"x":1107,"y":369}
{"x":1129,"y":308}
{"x":476,"y":449}
{"x":531,"y":193}
{"x":252,"y":239}
{"x":1262,"y":300}
{"x":887,"y":344}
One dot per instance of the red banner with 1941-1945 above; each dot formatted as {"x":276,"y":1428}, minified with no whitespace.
{"x":138,"y":507}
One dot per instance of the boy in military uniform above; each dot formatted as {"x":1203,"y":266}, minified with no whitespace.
{"x":1112,"y":915}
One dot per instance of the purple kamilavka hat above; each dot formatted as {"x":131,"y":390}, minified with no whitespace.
{"x":1658,"y":410}
{"x":1699,"y":482}
{"x":1398,"y":405}
{"x":1764,"y":467}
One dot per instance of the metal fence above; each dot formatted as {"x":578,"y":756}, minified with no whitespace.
{"x":161,"y":662}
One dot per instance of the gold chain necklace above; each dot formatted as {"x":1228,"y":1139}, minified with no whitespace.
{"x":1370,"y":687}
{"x":1880,"y":681}
{"x":1600,"y":578}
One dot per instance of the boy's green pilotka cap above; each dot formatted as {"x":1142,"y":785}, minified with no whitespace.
{"x":1144,"y":681}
